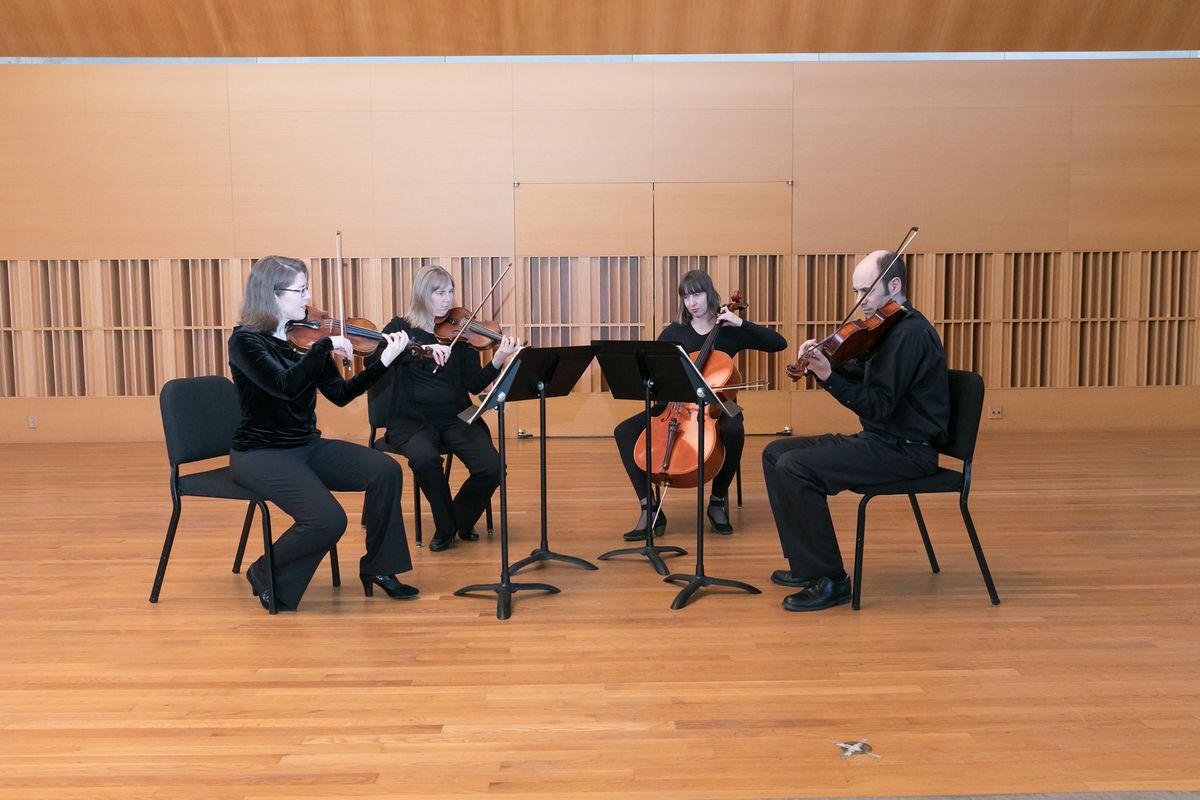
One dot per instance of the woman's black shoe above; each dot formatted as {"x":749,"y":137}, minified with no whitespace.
{"x":639,"y":533}
{"x":719,"y":518}
{"x":394,"y":588}
{"x":439,"y":543}
{"x":263,"y":594}
{"x":468,"y":536}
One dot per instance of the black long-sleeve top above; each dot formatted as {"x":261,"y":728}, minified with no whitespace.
{"x":420,"y":394}
{"x":730,"y":339}
{"x":277,"y":388}
{"x":900,"y":388}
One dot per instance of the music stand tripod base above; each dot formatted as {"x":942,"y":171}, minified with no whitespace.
{"x":697,"y":582}
{"x":504,"y":592}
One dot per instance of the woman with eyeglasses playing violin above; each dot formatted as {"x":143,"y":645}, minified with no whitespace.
{"x":278,"y":452}
{"x":700,"y":310}
{"x":427,"y":396}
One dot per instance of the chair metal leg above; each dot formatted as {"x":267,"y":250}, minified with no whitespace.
{"x":333,"y":566}
{"x":983,"y":567}
{"x":933,"y":564}
{"x":856,"y":590}
{"x":268,"y":555}
{"x":417,"y":508}
{"x":241,"y":551}
{"x":738,"y":482}
{"x":166,"y":551}
{"x":488,"y":511}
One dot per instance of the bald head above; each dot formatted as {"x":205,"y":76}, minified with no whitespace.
{"x":890,"y":287}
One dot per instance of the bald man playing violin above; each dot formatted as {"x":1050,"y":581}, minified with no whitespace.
{"x":899,"y":390}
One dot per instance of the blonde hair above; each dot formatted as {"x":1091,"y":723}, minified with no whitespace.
{"x":428,"y":279}
{"x":269,"y":275}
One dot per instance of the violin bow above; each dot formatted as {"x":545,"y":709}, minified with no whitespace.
{"x":475,"y":313}
{"x":341,"y":297}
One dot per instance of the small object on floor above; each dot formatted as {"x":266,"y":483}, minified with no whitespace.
{"x":859,"y":748}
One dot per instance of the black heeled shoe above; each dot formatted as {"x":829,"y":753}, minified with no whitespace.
{"x":439,"y":543}
{"x":468,"y":536}
{"x":392,"y":587}
{"x":719,"y":518}
{"x":263,"y":594}
{"x":639,"y":533}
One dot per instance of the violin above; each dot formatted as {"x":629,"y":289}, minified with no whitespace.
{"x":852,"y":338}
{"x":458,"y":323}
{"x":363,"y":335}
{"x":674,"y":434}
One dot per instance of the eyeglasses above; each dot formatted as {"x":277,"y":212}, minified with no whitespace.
{"x":301,"y":290}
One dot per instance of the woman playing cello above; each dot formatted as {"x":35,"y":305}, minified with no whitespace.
{"x":278,"y":452}
{"x":428,"y":395}
{"x":700,"y":310}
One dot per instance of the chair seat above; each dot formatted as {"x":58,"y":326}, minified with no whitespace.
{"x":214,"y":483}
{"x":944,"y":480}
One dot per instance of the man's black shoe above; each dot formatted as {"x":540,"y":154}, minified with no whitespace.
{"x":468,"y":536}
{"x":822,"y":594}
{"x":783,"y":577}
{"x":439,"y":543}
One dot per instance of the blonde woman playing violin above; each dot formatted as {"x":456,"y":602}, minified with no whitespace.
{"x":427,"y":396}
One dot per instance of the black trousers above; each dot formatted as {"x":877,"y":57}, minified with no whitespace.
{"x":471,"y":444}
{"x":803,"y":471}
{"x":299,"y":480}
{"x":731,"y":430}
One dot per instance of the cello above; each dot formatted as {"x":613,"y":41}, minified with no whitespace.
{"x":674,"y":433}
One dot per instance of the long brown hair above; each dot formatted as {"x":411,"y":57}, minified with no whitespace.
{"x":269,"y":275}
{"x":693,"y":282}
{"x":428,"y":279}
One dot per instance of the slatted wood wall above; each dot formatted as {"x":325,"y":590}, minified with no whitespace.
{"x":1057,"y":203}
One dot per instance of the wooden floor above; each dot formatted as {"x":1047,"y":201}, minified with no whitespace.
{"x":1084,"y":678}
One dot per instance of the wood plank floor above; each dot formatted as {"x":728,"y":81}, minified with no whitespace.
{"x":1084,"y":678}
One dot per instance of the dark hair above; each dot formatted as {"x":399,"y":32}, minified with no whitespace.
{"x":693,"y":282}
{"x":268,"y":276}
{"x":898,"y":270}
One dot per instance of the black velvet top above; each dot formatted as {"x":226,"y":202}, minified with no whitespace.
{"x":899,"y":389}
{"x":730,"y":340}
{"x":420,"y":394}
{"x":277,"y":388}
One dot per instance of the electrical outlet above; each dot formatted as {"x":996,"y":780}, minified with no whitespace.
{"x":32,"y":421}
{"x":995,"y":412}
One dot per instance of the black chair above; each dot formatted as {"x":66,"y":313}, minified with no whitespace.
{"x":199,"y":417}
{"x":966,"y":408}
{"x":379,"y":400}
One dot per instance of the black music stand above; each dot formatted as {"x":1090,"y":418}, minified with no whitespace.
{"x":644,"y":371}
{"x":705,"y":396}
{"x":549,"y":372}
{"x":505,"y":588}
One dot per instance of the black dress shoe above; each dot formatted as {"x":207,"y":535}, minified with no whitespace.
{"x":468,"y":536}
{"x":783,"y":577}
{"x":824,"y":593}
{"x":439,"y":543}
{"x":394,"y":588}
{"x":263,"y":593}
{"x":639,"y":533}
{"x":719,"y":519}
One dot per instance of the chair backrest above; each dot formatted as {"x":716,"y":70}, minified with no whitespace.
{"x":199,"y":417}
{"x":966,"y":409}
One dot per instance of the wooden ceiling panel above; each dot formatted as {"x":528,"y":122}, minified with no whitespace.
{"x":264,"y":28}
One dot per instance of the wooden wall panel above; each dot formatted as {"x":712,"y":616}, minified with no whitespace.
{"x":327,"y":88}
{"x":46,"y":221}
{"x":723,"y":146}
{"x":972,"y":181}
{"x":465,"y":219}
{"x":584,"y":219}
{"x":583,"y":87}
{"x":584,"y":146}
{"x":450,"y":147}
{"x":161,"y":149}
{"x":300,"y":220}
{"x":129,"y":221}
{"x":745,"y":86}
{"x":441,"y":87}
{"x":300,"y":147}
{"x":44,"y":88}
{"x":698,"y":218}
{"x":44,"y":149}
{"x":1134,"y":178}
{"x":1138,"y":82}
{"x":161,"y":88}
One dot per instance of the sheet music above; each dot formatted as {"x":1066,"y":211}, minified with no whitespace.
{"x":469,"y":415}
{"x":727,"y":407}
